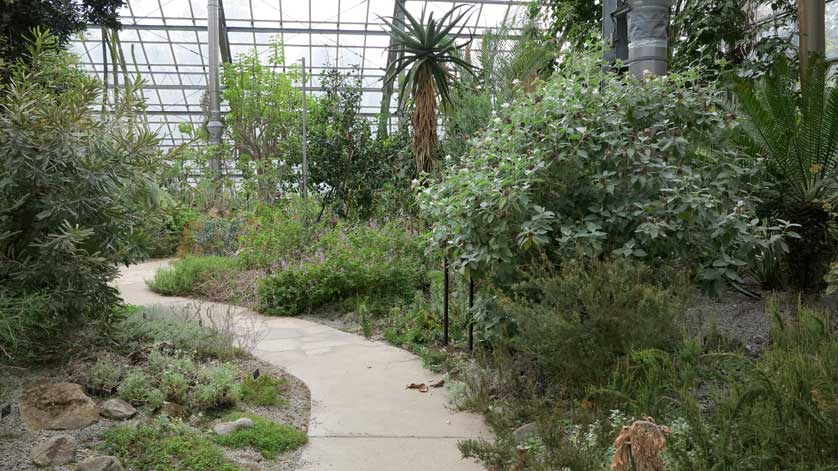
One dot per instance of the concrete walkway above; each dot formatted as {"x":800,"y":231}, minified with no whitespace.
{"x":362,"y":417}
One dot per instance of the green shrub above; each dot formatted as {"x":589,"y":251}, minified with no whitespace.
{"x":417,"y":324}
{"x":165,"y":445}
{"x":729,"y":411}
{"x":216,"y":388}
{"x":263,"y":391}
{"x":573,"y":328}
{"x":280,"y":232}
{"x":212,"y":236}
{"x":103,"y":377}
{"x":25,"y":331}
{"x":268,"y":437}
{"x":175,"y":387}
{"x":70,"y":179}
{"x":138,"y":390}
{"x":200,"y":341}
{"x":357,"y":262}
{"x":187,"y":274}
{"x":164,"y":228}
{"x":605,"y":164}
{"x":785,"y":414}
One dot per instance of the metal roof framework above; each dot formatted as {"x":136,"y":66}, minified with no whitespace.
{"x":167,"y":40}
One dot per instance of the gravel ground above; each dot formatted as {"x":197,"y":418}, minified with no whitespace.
{"x":748,"y":320}
{"x":16,"y":441}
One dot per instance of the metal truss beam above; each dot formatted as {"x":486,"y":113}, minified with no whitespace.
{"x":224,"y":39}
{"x":201,"y":113}
{"x":185,"y":86}
{"x":276,"y":30}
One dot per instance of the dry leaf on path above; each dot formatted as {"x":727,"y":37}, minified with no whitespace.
{"x":422,"y":387}
{"x":438,"y":384}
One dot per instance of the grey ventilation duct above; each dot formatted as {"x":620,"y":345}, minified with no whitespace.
{"x":648,"y":21}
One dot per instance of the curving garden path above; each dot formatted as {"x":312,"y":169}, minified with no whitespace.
{"x":362,"y":417}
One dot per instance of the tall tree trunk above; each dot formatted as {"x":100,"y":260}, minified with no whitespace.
{"x":424,"y":125}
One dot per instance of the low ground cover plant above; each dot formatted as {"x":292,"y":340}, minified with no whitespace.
{"x":165,"y":444}
{"x":211,"y":339}
{"x":189,"y":274}
{"x":263,"y":390}
{"x":268,"y":437}
{"x":176,"y":371}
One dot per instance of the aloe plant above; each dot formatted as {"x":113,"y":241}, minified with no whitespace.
{"x":427,"y":50}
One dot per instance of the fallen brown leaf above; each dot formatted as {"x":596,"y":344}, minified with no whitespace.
{"x":438,"y":384}
{"x":422,"y":387}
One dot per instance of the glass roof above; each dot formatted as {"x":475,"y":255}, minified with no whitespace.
{"x":167,"y":40}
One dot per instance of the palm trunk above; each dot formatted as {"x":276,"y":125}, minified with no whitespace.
{"x":424,"y":125}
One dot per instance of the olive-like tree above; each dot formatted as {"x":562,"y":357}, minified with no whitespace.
{"x":428,"y":52}
{"x":264,"y":118}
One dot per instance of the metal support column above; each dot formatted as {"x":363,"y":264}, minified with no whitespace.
{"x":615,"y":31}
{"x":445,"y":295}
{"x":214,"y":125}
{"x":470,"y":313}
{"x":812,"y":30}
{"x":304,"y":189}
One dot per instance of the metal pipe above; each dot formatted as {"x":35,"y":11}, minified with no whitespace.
{"x":305,"y":135}
{"x":812,"y":28}
{"x":471,"y":313}
{"x":445,"y":302}
{"x":214,"y":124}
{"x":648,"y":49}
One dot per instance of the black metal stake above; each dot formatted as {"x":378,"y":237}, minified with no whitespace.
{"x":445,"y":303}
{"x":471,"y":314}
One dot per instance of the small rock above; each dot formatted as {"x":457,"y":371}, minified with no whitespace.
{"x":524,"y":432}
{"x":226,"y":428}
{"x":100,"y":463}
{"x":56,"y":451}
{"x":117,"y":409}
{"x":61,"y":406}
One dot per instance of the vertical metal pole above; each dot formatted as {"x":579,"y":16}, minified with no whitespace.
{"x":812,"y":32}
{"x":104,"y":70}
{"x":393,"y":53}
{"x":445,"y":302}
{"x":470,"y":313}
{"x":608,"y":27}
{"x":214,"y":125}
{"x":305,"y":135}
